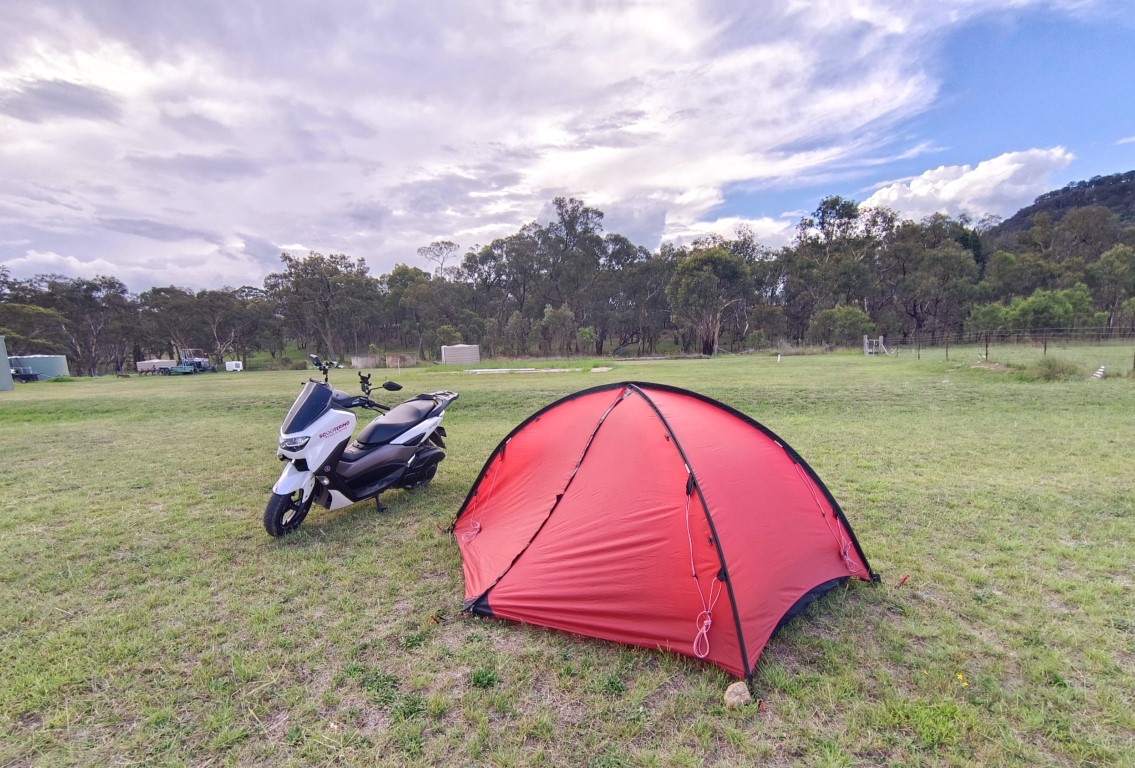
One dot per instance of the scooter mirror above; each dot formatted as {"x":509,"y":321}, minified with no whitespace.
{"x":391,"y":386}
{"x":315,"y":359}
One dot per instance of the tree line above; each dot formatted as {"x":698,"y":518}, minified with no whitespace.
{"x":568,"y":287}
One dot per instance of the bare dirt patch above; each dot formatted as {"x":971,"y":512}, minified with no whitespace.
{"x":987,"y":366}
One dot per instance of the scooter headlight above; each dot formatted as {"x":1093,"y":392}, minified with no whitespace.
{"x":293,"y":443}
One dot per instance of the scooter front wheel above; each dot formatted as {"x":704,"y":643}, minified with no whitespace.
{"x":284,"y":513}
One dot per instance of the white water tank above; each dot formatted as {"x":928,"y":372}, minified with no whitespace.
{"x":6,"y":373}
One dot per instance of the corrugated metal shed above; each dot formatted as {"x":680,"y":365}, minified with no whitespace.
{"x":461,"y":354}
{"x":47,"y":366}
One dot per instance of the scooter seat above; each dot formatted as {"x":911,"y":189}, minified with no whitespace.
{"x":395,"y":421}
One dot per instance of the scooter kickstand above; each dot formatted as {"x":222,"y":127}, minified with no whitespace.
{"x":378,"y":505}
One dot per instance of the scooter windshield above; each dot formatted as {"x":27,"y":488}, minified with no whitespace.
{"x":312,"y":402}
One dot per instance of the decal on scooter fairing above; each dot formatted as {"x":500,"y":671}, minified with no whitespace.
{"x":333,"y":430}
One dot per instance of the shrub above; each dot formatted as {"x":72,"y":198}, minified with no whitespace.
{"x":842,"y":326}
{"x":1052,"y":369}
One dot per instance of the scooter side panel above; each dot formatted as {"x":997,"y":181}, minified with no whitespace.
{"x":421,"y":430}
{"x":367,"y":469}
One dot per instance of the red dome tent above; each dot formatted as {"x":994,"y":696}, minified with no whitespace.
{"x":654,"y":516}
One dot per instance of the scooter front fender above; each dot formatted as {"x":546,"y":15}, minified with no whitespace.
{"x":292,"y":480}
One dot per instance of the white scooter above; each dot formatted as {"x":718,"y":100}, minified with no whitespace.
{"x":399,"y":449}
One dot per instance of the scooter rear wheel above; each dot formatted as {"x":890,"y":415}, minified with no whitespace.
{"x":285,"y":513}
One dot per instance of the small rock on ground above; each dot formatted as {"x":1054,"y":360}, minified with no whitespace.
{"x":737,"y":695}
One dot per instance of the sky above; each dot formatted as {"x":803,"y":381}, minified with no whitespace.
{"x":190,"y":143}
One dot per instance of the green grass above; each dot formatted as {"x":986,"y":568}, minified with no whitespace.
{"x":145,"y":616}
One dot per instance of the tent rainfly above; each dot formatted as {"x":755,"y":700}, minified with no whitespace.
{"x":654,"y":516}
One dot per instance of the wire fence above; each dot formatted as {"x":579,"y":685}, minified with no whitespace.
{"x":1038,"y":336}
{"x":1110,"y":349}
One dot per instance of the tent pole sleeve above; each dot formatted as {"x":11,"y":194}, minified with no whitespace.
{"x":692,"y":485}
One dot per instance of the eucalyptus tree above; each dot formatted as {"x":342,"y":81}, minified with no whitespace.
{"x":1085,"y":233}
{"x":29,"y":329}
{"x":403,"y":305}
{"x":325,"y":297}
{"x":609,"y":305}
{"x":484,"y":270}
{"x":431,"y":303}
{"x":639,"y":308}
{"x":97,"y":315}
{"x":505,"y":275}
{"x":1113,"y":280}
{"x":259,"y":324}
{"x":936,"y":293}
{"x":438,"y":253}
{"x":168,"y":316}
{"x":1010,"y":275}
{"x":223,"y":316}
{"x":570,"y":253}
{"x":840,"y":256}
{"x":704,"y":285}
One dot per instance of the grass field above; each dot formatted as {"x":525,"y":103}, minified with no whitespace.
{"x":146,"y":618}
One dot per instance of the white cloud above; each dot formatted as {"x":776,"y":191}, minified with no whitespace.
{"x":770,"y":232}
{"x":1128,"y":140}
{"x":999,"y":186}
{"x":141,"y":137}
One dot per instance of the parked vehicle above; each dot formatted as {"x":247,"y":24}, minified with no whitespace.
{"x":186,"y":361}
{"x":192,"y":361}
{"x":324,"y":465}
{"x":24,"y":374}
{"x":154,"y":366}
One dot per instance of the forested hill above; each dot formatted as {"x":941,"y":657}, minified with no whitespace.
{"x":1115,"y":192}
